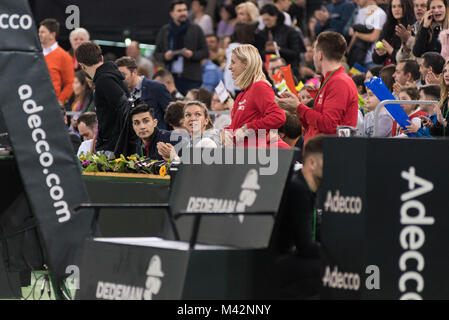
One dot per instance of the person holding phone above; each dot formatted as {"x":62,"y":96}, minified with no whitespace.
{"x":434,"y":21}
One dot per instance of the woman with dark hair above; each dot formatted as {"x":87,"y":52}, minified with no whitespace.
{"x":372,"y":72}
{"x":228,"y":19}
{"x":243,"y":34}
{"x":82,"y":97}
{"x":399,"y":12}
{"x":278,"y":38}
{"x":386,"y":74}
{"x":435,"y":20}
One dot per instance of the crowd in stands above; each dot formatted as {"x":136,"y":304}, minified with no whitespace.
{"x":403,"y":42}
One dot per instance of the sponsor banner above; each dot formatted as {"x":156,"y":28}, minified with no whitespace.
{"x":155,"y":269}
{"x":232,"y":186}
{"x":402,"y":227}
{"x":48,"y":167}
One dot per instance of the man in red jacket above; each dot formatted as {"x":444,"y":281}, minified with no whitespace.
{"x":336,"y":102}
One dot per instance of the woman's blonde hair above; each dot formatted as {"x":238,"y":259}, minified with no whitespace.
{"x":250,"y":9}
{"x":203,"y":107}
{"x":444,"y":88}
{"x":249,"y":55}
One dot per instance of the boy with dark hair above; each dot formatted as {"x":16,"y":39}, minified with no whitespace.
{"x":145,"y":126}
{"x":111,"y":99}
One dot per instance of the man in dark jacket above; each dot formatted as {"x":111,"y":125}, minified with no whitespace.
{"x":111,"y":95}
{"x":181,"y":45}
{"x":153,"y":93}
{"x":288,"y":41}
{"x":145,"y":127}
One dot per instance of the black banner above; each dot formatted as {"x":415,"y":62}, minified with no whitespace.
{"x":231,"y":181}
{"x":385,"y":224}
{"x":152,"y":269}
{"x":48,"y":167}
{"x":104,"y":19}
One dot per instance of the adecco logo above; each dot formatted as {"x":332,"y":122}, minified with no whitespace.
{"x":15,"y":21}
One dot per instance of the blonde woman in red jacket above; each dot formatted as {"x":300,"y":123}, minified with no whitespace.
{"x":254,"y":108}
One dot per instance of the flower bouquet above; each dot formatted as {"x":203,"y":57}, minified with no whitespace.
{"x":133,"y":164}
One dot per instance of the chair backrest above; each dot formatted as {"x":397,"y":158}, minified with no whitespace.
{"x":224,"y":187}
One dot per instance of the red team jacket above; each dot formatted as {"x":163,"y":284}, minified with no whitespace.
{"x":256,"y":108}
{"x":336,"y":104}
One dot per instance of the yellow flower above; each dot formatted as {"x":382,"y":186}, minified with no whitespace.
{"x":132,"y":158}
{"x":82,"y":158}
{"x":163,"y":171}
{"x":118,"y":160}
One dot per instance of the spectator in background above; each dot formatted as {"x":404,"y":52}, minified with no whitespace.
{"x":386,"y":74}
{"x":372,"y":72}
{"x":200,"y":17}
{"x":282,"y":6}
{"x":277,"y":38}
{"x":74,"y":139}
{"x":243,"y":34}
{"x":181,"y":46}
{"x":221,"y":121}
{"x":359,"y":80}
{"x":408,"y":33}
{"x":228,"y":19}
{"x":247,"y":12}
{"x":212,"y":75}
{"x":439,"y":128}
{"x":87,"y":126}
{"x":305,"y":96}
{"x":82,"y":97}
{"x":166,"y":78}
{"x":431,"y":68}
{"x":274,"y":66}
{"x":434,"y":21}
{"x":400,"y":12}
{"x":201,"y":95}
{"x":384,"y":122}
{"x":59,"y":62}
{"x":174,"y":116}
{"x":406,"y":74}
{"x":133,"y":50}
{"x":77,"y":36}
{"x":111,"y":95}
{"x":290,"y":131}
{"x":429,"y":92}
{"x":148,"y":91}
{"x":412,"y":110}
{"x":370,"y":18}
{"x":334,"y":16}
{"x":216,"y":54}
